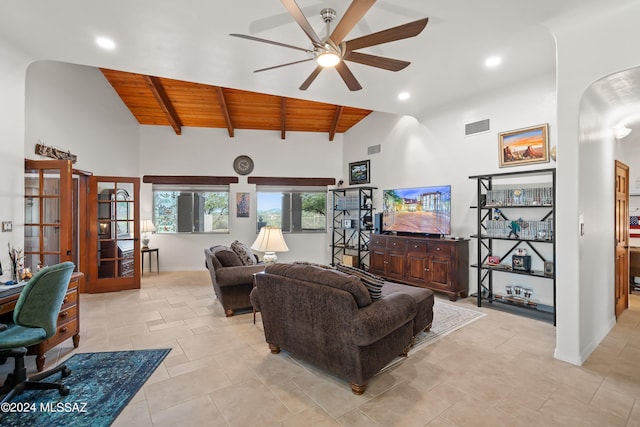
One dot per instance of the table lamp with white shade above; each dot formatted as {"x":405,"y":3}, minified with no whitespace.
{"x":146,"y":227}
{"x":270,"y":241}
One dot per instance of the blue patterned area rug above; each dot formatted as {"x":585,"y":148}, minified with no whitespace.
{"x":101,"y":386}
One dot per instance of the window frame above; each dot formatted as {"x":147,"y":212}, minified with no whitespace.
{"x":291,"y":190}
{"x":180,"y":188}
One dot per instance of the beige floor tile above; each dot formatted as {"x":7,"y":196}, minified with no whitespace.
{"x":182,"y":388}
{"x":135,"y":414}
{"x":199,"y":411}
{"x":249,"y":403}
{"x":573,"y":412}
{"x":496,"y":371}
{"x":614,"y":402}
{"x":313,"y":417}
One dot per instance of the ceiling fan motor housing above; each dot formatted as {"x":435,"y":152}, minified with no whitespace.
{"x":328,"y":15}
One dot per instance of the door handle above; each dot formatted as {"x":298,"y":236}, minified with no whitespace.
{"x":135,"y":239}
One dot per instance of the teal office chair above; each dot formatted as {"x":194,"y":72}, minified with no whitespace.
{"x":35,"y":320}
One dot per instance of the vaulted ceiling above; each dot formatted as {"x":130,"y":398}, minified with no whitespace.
{"x":166,"y":102}
{"x":190,"y":41}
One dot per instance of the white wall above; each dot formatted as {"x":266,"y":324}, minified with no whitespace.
{"x":200,"y":151}
{"x":435,"y":151}
{"x":589,"y":47}
{"x":73,"y":107}
{"x":596,"y":154}
{"x":12,"y":117}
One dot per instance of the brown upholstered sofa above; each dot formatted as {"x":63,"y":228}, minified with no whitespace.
{"x":327,"y":318}
{"x":232,"y":279}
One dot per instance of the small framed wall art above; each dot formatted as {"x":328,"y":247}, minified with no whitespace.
{"x":359,"y":172}
{"x":524,"y":146}
{"x":242,"y":205}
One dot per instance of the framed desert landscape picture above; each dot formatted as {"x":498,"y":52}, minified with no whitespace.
{"x":523,"y":146}
{"x":359,"y":172}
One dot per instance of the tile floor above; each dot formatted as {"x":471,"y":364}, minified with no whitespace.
{"x":498,"y":371}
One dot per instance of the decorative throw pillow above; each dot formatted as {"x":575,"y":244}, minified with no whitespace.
{"x":371,"y":281}
{"x":226,"y":256}
{"x":244,"y":252}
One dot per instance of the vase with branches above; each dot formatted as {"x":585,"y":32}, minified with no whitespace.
{"x":16,"y":256}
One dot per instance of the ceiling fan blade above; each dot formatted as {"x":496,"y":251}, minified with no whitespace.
{"x":351,"y":17}
{"x":257,"y":39}
{"x":299,"y":17}
{"x":377,"y":61}
{"x":348,"y":77}
{"x":305,"y":85}
{"x":283,"y":65}
{"x":400,"y":32}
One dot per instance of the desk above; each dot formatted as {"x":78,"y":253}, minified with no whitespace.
{"x":68,"y":318}
{"x":149,"y":251}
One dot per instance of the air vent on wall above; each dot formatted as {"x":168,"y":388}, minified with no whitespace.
{"x":476,"y":127}
{"x":374,"y":149}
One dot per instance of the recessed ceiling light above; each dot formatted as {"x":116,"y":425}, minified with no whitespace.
{"x":403,"y":96}
{"x":492,"y":61}
{"x":105,"y":43}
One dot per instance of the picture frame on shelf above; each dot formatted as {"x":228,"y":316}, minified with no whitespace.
{"x":359,"y":172}
{"x":524,"y":146}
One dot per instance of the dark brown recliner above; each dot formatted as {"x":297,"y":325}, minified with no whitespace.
{"x":232,"y":281}
{"x":327,"y":318}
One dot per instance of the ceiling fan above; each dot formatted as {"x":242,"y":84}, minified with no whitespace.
{"x":332,"y":51}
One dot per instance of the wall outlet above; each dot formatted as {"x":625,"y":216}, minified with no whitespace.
{"x":7,"y":226}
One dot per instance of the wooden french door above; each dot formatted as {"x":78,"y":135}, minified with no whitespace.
{"x":621,"y":283}
{"x":114,"y":234}
{"x":48,"y":207}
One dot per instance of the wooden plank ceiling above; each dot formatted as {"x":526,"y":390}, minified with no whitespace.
{"x":175,"y":103}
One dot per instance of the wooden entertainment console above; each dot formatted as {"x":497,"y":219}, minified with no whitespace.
{"x":438,"y":264}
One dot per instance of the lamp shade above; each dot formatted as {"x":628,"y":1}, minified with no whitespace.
{"x":270,"y":239}
{"x":147,"y":226}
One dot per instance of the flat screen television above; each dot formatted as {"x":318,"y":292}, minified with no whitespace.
{"x":418,"y":210}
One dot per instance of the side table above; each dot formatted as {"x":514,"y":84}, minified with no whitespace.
{"x":150,"y":251}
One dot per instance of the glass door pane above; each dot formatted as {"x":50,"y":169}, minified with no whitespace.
{"x":47,"y":213}
{"x":116,"y":241}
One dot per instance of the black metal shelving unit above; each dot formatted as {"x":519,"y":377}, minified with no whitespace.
{"x":352,"y":211}
{"x":489,"y":209}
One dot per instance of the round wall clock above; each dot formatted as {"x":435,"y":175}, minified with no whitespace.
{"x":243,"y":165}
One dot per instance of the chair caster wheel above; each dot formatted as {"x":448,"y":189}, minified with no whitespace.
{"x":66,"y":372}
{"x":64,"y":391}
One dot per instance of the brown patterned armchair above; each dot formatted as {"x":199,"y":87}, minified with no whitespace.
{"x":232,"y":280}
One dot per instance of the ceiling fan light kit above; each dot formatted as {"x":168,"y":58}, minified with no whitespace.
{"x":327,"y":59}
{"x":333,"y":51}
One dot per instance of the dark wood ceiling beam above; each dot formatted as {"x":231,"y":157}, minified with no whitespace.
{"x":189,"y":180}
{"x":283,"y":117}
{"x":163,"y":100}
{"x":309,"y":182}
{"x":225,"y":110}
{"x":336,"y":121}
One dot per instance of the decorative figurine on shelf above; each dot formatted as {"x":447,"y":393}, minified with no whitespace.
{"x":497,"y":213}
{"x":516,"y":226}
